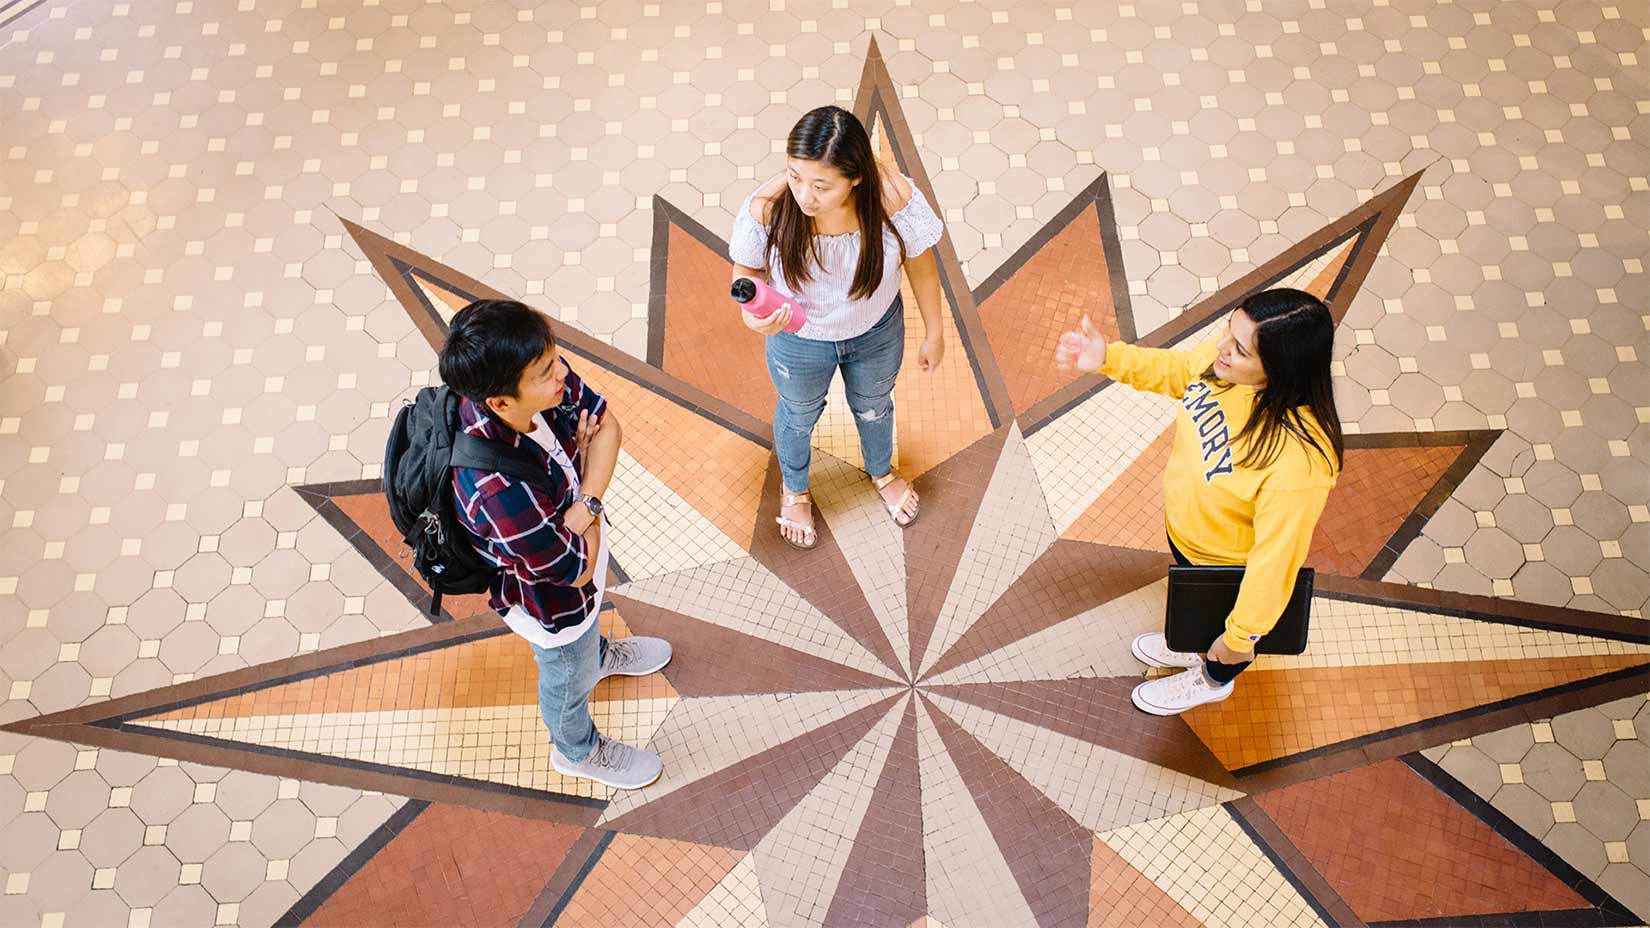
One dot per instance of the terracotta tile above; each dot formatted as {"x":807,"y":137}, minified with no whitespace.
{"x":1122,"y":897}
{"x":451,"y":866}
{"x":1325,"y":277}
{"x":494,"y":671}
{"x":1130,"y":513}
{"x":1409,"y":852}
{"x":1066,"y":278}
{"x":719,"y":473}
{"x":705,"y":343}
{"x":937,"y":414}
{"x":1377,"y":490}
{"x":1275,"y":713}
{"x":645,"y":882}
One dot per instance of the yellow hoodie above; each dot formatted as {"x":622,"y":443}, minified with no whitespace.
{"x":1217,"y":511}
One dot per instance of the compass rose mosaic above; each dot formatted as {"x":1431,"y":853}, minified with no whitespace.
{"x":931,"y":723}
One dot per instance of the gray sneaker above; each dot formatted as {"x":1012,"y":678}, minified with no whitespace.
{"x":613,"y":763}
{"x":634,"y":657}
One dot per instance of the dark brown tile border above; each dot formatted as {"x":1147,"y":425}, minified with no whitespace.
{"x":1474,"y":445}
{"x":413,"y":274}
{"x":9,"y":19}
{"x":108,"y":724}
{"x":390,"y":258}
{"x":1370,"y":223}
{"x":1485,"y":608}
{"x":1466,"y":723}
{"x":320,"y":498}
{"x":564,"y":883}
{"x":1097,"y":196}
{"x":878,"y":96}
{"x":262,"y":676}
{"x":1560,"y":918}
{"x":1122,"y":302}
{"x":1606,"y":911}
{"x":665,"y":215}
{"x":1293,"y":864}
{"x":476,"y":794}
{"x":352,"y":863}
{"x":359,"y":487}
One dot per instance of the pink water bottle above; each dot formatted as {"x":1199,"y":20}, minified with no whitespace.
{"x":762,"y":301}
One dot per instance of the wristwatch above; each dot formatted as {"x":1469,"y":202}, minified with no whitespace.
{"x":592,"y":503}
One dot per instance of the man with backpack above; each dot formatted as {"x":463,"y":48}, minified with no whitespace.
{"x":511,"y":457}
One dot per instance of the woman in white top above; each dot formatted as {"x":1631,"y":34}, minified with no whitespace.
{"x":805,"y":234}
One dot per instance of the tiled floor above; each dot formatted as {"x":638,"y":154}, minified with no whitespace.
{"x":231,"y":236}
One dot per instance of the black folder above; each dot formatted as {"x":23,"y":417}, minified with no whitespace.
{"x":1200,"y":598}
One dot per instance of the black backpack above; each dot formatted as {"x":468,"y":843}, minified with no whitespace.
{"x":426,"y":442}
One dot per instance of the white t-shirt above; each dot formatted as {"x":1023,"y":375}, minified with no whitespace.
{"x":517,"y":618}
{"x":833,"y":315}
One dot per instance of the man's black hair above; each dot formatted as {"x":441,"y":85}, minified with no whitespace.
{"x":490,"y":344}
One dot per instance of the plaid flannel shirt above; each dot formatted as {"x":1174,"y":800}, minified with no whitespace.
{"x":518,"y":526}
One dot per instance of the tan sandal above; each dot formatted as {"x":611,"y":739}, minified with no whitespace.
{"x":897,"y":509}
{"x":810,"y":537}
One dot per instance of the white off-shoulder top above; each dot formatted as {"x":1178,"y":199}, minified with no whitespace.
{"x":832,"y":315}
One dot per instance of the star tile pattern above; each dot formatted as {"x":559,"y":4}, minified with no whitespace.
{"x":938,"y":714}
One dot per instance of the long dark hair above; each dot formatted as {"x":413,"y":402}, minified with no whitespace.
{"x":1295,"y":337}
{"x":834,"y":136}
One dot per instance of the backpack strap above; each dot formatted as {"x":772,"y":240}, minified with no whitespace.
{"x":477,"y":453}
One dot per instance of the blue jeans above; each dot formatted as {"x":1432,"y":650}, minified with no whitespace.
{"x":567,"y":675}
{"x":802,"y":369}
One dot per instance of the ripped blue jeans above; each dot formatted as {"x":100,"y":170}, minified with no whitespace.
{"x":802,"y":369}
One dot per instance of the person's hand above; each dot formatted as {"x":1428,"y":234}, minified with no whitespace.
{"x":1221,"y":653}
{"x":587,"y":428}
{"x":772,"y":325}
{"x":1083,"y":347}
{"x":578,"y":518}
{"x":931,"y":353}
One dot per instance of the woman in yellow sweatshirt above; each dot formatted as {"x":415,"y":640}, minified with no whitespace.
{"x":1257,"y":448}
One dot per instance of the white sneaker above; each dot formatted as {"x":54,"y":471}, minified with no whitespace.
{"x":1152,"y":649}
{"x":634,"y":657}
{"x":613,"y":763}
{"x":1175,"y":694}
